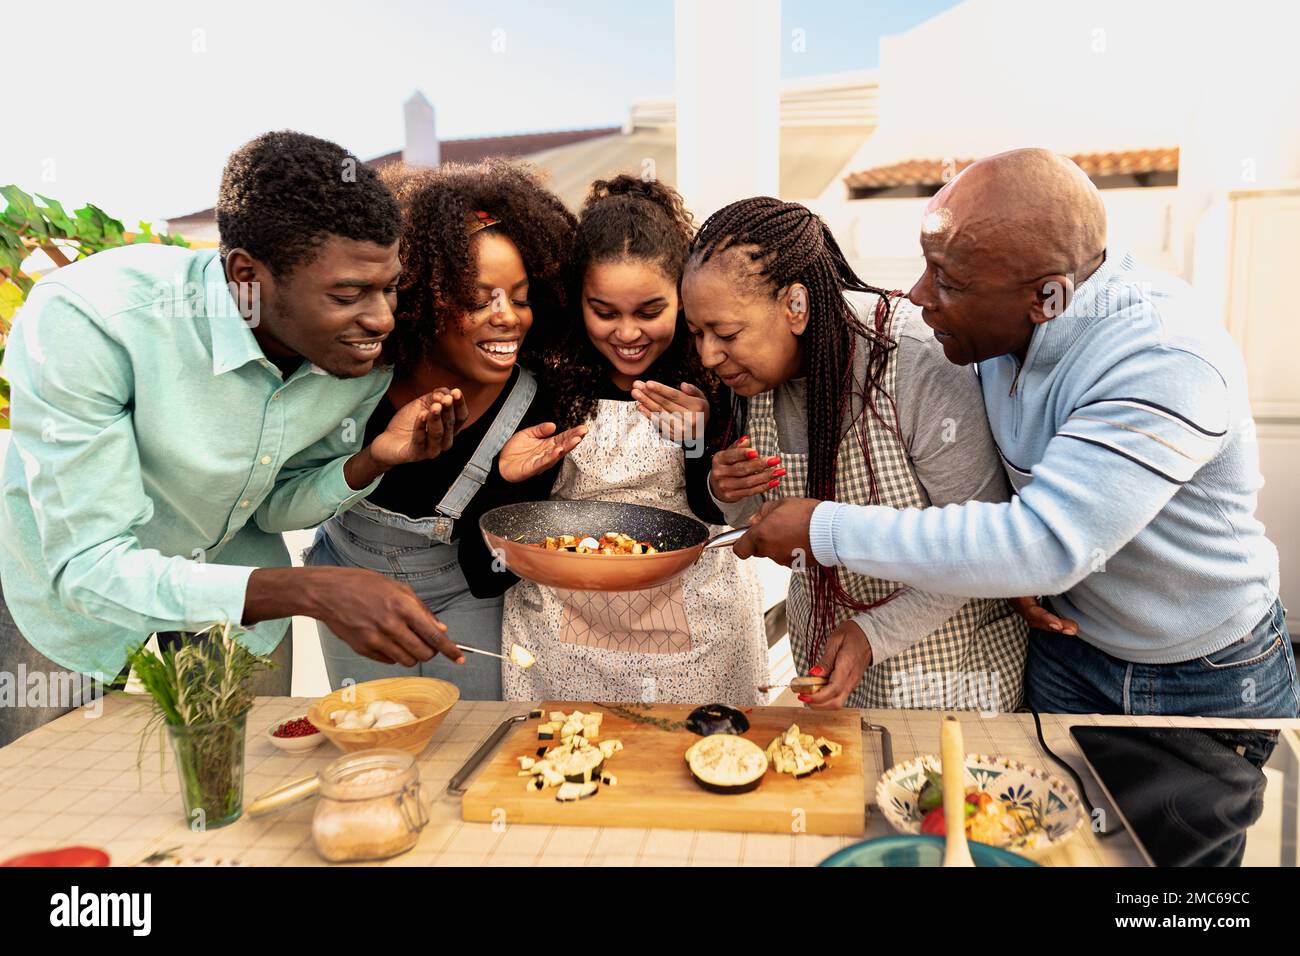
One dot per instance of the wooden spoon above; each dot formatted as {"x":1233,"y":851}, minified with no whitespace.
{"x":952,"y":757}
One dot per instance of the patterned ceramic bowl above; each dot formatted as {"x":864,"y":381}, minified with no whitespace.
{"x":1049,"y":809}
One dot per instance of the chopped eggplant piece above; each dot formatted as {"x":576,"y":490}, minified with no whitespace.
{"x":800,"y":754}
{"x":541,"y":751}
{"x":532,"y":714}
{"x":608,"y":779}
{"x":571,"y":792}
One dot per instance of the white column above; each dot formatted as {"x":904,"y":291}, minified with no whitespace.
{"x":728,"y":100}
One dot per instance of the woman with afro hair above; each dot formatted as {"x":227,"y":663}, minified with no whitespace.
{"x":483,"y":252}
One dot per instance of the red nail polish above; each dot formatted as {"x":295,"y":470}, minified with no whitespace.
{"x":774,"y":460}
{"x":779,"y":473}
{"x":774,"y":482}
{"x":805,"y":698}
{"x":751,"y":454}
{"x":816,"y":672}
{"x":744,"y":438}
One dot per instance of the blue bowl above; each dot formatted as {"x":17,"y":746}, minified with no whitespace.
{"x":905,"y":849}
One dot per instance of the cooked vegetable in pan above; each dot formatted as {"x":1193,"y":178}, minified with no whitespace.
{"x":611,"y":542}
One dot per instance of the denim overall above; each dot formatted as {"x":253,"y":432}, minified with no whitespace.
{"x":419,"y":552}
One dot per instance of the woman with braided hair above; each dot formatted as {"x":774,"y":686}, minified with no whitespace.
{"x":842,"y":393}
{"x":625,"y":372}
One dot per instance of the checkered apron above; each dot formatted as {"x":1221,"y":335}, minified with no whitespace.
{"x":955,"y":667}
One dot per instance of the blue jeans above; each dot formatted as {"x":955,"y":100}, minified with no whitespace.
{"x":1254,"y":677}
{"x":405,"y":549}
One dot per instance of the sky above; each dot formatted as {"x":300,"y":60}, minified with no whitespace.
{"x":138,"y":104}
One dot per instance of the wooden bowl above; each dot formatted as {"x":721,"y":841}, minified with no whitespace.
{"x":427,"y":697}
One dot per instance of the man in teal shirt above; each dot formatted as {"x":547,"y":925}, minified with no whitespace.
{"x":175,"y":410}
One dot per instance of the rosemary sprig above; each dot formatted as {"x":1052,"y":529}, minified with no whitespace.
{"x":627,"y":711}
{"x":201,"y":687}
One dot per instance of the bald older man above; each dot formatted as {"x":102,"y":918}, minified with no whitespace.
{"x":1120,"y":409}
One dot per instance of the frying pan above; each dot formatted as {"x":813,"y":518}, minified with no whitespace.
{"x":511,"y":531}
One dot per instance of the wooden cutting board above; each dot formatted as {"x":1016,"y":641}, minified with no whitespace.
{"x":655,"y":789}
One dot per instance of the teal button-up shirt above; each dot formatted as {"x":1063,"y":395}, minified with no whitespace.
{"x":157,"y":455}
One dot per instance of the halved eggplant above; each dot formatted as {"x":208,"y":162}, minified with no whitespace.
{"x":723,"y":763}
{"x":571,"y":792}
{"x":711,"y":719}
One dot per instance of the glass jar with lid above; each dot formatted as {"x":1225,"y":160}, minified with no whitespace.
{"x":370,"y":806}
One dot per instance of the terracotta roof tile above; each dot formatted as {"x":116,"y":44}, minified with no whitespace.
{"x":932,"y":172}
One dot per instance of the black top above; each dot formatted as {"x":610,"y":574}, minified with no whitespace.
{"x":415,"y":489}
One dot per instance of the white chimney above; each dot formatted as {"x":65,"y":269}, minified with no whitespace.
{"x":421,"y":147}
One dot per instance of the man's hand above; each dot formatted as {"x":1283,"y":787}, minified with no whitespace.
{"x":531,"y":451}
{"x":1040,"y":617}
{"x":845,"y":658}
{"x":377,"y":617}
{"x":422,"y":428}
{"x":780,"y":531}
{"x":680,"y":414}
{"x":738,"y":472}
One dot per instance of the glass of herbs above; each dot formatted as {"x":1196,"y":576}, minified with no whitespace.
{"x":200,"y":688}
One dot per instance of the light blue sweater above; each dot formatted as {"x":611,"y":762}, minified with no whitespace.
{"x":1129,"y":442}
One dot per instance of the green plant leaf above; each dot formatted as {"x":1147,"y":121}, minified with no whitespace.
{"x":57,"y":217}
{"x":21,"y":210}
{"x":90,"y":224}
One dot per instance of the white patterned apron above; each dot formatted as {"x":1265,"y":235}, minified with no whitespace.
{"x":698,"y":639}
{"x":976,"y":660}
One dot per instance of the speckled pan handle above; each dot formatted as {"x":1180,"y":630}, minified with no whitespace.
{"x":456,"y":786}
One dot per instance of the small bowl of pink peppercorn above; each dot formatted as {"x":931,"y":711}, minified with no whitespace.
{"x":295,"y":735}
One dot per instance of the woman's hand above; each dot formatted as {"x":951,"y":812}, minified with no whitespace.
{"x":738,"y":473}
{"x":531,"y":451}
{"x":1040,"y":617}
{"x":422,"y":428}
{"x":680,"y":414}
{"x":845,"y":658}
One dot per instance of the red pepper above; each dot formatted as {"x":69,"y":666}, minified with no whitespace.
{"x":67,"y":856}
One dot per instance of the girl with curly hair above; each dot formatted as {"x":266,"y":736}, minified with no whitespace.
{"x":623,"y":370}
{"x":483,"y":252}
